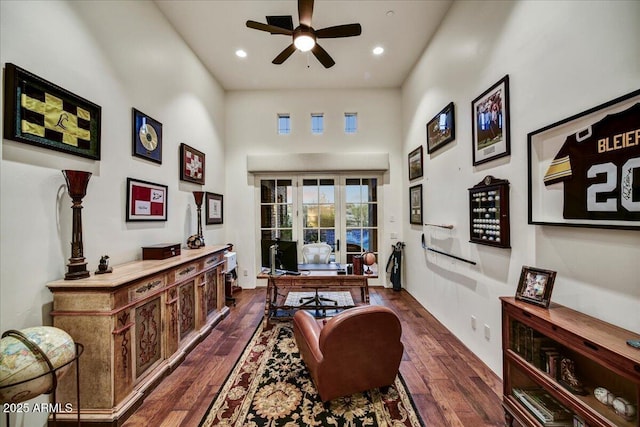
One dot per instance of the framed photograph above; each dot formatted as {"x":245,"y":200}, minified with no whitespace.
{"x":415,"y":163}
{"x":584,"y":171}
{"x":214,"y":208}
{"x":490,"y":123}
{"x":441,"y":130}
{"x":415,"y":204}
{"x":147,"y":137}
{"x":191,"y":164}
{"x":146,"y":201}
{"x":535,"y":286}
{"x":40,"y":113}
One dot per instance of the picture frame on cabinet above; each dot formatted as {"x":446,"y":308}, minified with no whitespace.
{"x":416,"y":163}
{"x":490,"y":123}
{"x":43,"y":114}
{"x":146,"y":201}
{"x":441,"y":129}
{"x":214,"y":208}
{"x":192,"y":164}
{"x":584,"y":171}
{"x":535,"y":286}
{"x":147,"y":137}
{"x":415,"y":204}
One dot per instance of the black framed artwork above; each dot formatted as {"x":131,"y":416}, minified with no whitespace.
{"x":490,"y":123}
{"x":146,"y":201}
{"x":584,"y":171}
{"x":441,"y":129}
{"x":191,"y":164}
{"x":40,"y":113}
{"x":214,"y":208}
{"x":147,"y":137}
{"x":415,"y":163}
{"x":415,"y":204}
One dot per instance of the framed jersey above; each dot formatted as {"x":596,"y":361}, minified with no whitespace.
{"x":584,"y":171}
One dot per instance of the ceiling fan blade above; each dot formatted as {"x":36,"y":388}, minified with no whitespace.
{"x":305,"y":12}
{"x":269,"y":28}
{"x":284,"y":54}
{"x":348,"y":30}
{"x":323,"y":56}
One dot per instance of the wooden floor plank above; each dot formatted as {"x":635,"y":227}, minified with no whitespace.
{"x":449,"y":385}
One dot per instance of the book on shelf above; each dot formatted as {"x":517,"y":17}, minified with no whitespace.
{"x":544,"y":407}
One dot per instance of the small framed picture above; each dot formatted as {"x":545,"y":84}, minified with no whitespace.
{"x":415,"y":204}
{"x":214,"y":208}
{"x":535,"y":286}
{"x":147,"y":137}
{"x":191,"y":164}
{"x":441,"y":130}
{"x":146,"y":201}
{"x":490,"y":123}
{"x":415,"y":163}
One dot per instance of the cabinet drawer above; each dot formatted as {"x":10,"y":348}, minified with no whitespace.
{"x":185,"y":272}
{"x":213,"y":260}
{"x":145,"y":287}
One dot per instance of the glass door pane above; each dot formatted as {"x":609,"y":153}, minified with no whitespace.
{"x":361,"y":217}
{"x":319,"y":211}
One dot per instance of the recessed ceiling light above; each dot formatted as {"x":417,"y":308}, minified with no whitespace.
{"x":390,"y":13}
{"x":241,"y":53}
{"x":378,"y":50}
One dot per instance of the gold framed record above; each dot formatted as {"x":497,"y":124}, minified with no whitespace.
{"x":147,"y":137}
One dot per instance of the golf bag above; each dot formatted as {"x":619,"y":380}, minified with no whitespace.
{"x":395,"y":261}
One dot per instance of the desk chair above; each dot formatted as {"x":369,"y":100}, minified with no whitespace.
{"x":316,"y":253}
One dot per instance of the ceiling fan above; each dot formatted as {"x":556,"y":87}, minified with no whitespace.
{"x":305,"y":36}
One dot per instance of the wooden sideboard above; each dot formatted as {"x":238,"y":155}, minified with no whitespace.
{"x":136,"y":325}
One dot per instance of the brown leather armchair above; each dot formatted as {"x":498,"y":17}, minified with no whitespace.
{"x":357,"y":350}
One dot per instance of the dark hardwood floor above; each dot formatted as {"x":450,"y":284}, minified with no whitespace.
{"x":449,"y":384}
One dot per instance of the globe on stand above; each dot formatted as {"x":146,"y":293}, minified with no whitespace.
{"x":32,"y":360}
{"x":368,"y":259}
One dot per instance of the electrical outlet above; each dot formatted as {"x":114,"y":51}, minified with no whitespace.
{"x":473,"y":322}
{"x":487,"y":332}
{"x":245,"y":272}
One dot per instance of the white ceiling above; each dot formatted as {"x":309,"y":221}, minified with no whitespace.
{"x":215,"y":29}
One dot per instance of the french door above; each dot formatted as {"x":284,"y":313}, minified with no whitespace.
{"x":341,"y":210}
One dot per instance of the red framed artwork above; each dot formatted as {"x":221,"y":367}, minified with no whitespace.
{"x":146,"y":201}
{"x":191,"y":164}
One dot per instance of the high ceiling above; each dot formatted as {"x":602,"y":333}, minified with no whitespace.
{"x":215,"y":30}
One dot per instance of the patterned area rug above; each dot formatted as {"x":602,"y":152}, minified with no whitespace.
{"x":270,"y":386}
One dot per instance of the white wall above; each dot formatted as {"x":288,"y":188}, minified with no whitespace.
{"x":252,"y":129}
{"x":562,"y":58}
{"x":118,"y":55}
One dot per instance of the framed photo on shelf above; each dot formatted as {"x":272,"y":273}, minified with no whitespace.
{"x":146,"y":201}
{"x":147,"y":137}
{"x":40,"y":113}
{"x":191,"y":164}
{"x":415,"y":204}
{"x":415,"y":163}
{"x":441,"y":130}
{"x":490,"y":123}
{"x":214,"y":208}
{"x":584,"y":171}
{"x":535,"y":286}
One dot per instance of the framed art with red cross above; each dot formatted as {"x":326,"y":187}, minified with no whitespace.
{"x":191,"y":164}
{"x":146,"y":201}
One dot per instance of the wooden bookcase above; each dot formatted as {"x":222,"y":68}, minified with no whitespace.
{"x":531,"y":337}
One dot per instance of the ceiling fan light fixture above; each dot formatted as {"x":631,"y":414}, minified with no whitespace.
{"x":304,"y":40}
